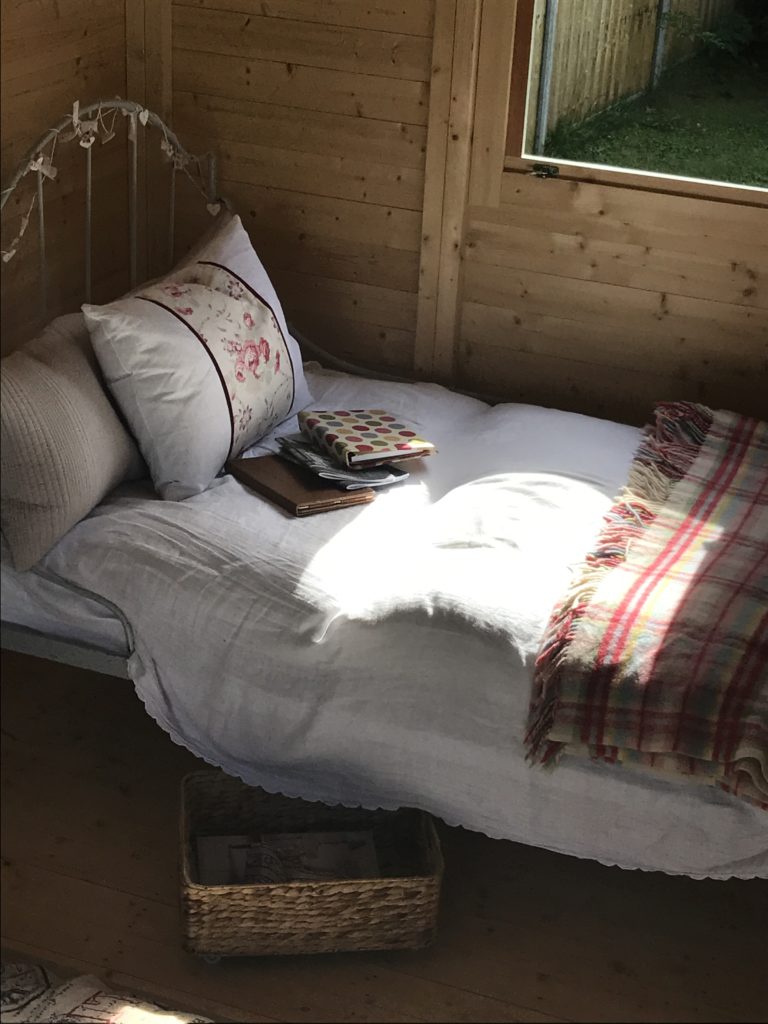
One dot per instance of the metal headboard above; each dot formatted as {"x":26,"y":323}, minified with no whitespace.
{"x":87,"y":125}
{"x":97,"y":122}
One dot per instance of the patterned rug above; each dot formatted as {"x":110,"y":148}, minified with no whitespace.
{"x":30,"y":994}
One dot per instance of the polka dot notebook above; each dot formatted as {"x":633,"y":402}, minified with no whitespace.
{"x":362,"y":437}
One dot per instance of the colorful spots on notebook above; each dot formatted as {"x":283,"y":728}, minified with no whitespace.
{"x":346,"y":433}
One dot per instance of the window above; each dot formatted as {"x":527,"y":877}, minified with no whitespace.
{"x":660,"y":87}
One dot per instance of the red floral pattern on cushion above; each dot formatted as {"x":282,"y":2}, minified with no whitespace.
{"x":243,"y":337}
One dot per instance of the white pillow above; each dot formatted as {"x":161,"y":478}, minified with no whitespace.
{"x":200,"y":362}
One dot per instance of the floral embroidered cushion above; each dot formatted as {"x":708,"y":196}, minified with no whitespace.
{"x":201,"y":362}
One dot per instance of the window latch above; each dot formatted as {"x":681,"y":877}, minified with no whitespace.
{"x":545,"y":170}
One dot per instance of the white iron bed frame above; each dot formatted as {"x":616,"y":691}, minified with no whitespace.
{"x":87,"y":125}
{"x":24,"y":640}
{"x":96,"y":123}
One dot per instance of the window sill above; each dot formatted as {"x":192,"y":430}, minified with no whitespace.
{"x":724,"y":192}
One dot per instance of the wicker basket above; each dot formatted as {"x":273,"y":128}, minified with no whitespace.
{"x":395,"y":911}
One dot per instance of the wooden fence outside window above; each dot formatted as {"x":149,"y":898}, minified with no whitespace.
{"x":607,"y":50}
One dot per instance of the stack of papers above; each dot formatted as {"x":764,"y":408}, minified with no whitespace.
{"x":286,"y":857}
{"x":297,"y":449}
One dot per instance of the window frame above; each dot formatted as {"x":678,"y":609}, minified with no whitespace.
{"x":599,"y":174}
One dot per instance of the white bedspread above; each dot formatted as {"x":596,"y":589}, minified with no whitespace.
{"x":28,"y":599}
{"x":382,"y":655}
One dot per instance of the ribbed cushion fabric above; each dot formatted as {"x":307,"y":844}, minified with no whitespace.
{"x":63,"y":446}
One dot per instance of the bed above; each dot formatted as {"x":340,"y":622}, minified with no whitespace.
{"x":379,"y":656}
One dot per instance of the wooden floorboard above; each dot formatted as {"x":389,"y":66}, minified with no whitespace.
{"x":89,"y":856}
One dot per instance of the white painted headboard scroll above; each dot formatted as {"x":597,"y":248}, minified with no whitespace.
{"x":87,"y":125}
{"x":96,"y":123}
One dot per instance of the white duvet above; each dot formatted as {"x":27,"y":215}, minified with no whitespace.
{"x":382,"y":655}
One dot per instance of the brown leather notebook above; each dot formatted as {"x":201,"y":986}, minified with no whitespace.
{"x":294,"y":488}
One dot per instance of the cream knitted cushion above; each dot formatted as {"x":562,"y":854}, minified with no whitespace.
{"x":63,"y":446}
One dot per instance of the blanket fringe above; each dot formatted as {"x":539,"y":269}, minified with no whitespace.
{"x":666,"y":452}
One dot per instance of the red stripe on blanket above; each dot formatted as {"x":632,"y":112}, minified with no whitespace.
{"x":661,"y":699}
{"x":623,"y":619}
{"x":625,"y":616}
{"x":737,"y":454}
{"x":752,"y":669}
{"x":731,"y":597}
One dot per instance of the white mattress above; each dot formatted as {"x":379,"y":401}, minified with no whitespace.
{"x":382,"y":656}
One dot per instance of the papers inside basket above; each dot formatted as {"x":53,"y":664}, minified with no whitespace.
{"x":286,"y":857}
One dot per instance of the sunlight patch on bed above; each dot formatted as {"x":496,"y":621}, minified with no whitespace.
{"x":465,"y":553}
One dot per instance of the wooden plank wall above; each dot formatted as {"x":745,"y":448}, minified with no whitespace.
{"x":582,"y":295}
{"x":319,"y":113}
{"x":603,"y":298}
{"x":53,"y":52}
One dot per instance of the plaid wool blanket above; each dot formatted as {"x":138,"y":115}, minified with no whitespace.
{"x":658,"y":655}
